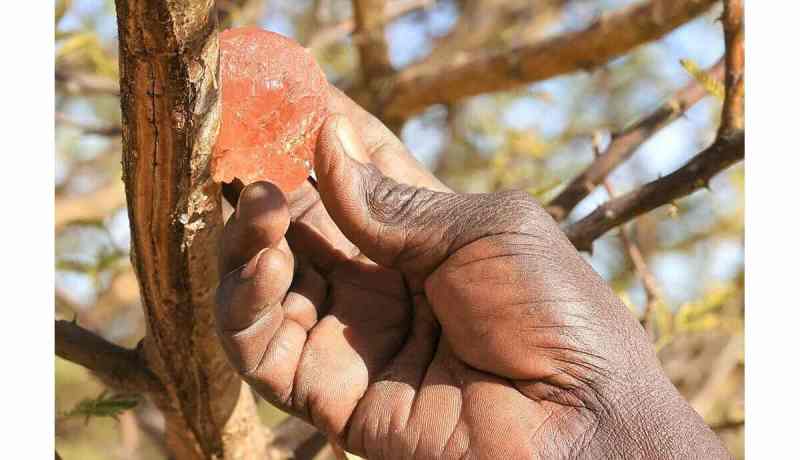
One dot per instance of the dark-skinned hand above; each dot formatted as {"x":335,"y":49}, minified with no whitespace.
{"x":408,"y":321}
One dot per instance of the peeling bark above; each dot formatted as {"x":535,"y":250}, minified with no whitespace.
{"x":170,"y":108}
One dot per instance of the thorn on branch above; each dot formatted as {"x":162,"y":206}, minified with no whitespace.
{"x":724,"y":152}
{"x":624,"y":143}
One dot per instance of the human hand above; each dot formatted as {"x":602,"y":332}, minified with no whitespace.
{"x":405,"y":320}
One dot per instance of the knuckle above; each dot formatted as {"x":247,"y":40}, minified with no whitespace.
{"x":520,"y":202}
{"x":389,"y":202}
{"x":521,"y":213}
{"x":246,"y":348}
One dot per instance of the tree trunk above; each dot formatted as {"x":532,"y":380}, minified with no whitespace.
{"x":170,"y":107}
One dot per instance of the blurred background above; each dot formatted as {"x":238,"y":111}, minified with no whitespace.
{"x":537,"y":138}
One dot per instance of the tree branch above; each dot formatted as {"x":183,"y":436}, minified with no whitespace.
{"x":724,"y":152}
{"x":109,"y":130}
{"x":727,"y":425}
{"x":484,"y":24}
{"x":373,"y":51}
{"x":418,"y":87}
{"x":239,"y":12}
{"x":86,"y":84}
{"x":169,"y":56}
{"x":331,"y":34}
{"x":625,"y":143}
{"x":118,"y":367}
{"x":372,"y":47}
{"x":649,"y":281}
{"x":733,"y":108}
{"x":727,"y":150}
{"x":94,"y":205}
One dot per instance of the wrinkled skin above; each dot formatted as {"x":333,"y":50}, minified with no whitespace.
{"x":407,"y":321}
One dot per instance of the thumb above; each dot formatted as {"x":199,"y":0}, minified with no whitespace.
{"x":399,"y":226}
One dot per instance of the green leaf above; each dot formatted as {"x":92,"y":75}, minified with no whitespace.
{"x":105,"y":405}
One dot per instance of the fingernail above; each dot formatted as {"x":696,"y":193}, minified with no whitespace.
{"x":349,"y":141}
{"x":254,"y":192}
{"x":250,"y":268}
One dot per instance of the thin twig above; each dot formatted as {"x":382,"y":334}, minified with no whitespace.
{"x":94,"y":205}
{"x":727,"y":360}
{"x":120,"y":368}
{"x":625,"y":143}
{"x":696,"y":174}
{"x":649,"y":281}
{"x":727,"y":425}
{"x":109,"y":130}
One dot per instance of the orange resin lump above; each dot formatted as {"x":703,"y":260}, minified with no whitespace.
{"x":273,"y":104}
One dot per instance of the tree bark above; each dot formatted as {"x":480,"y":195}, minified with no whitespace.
{"x":373,"y":53}
{"x":170,"y":114}
{"x":733,"y":25}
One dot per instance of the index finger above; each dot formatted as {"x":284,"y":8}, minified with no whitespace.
{"x":260,"y":221}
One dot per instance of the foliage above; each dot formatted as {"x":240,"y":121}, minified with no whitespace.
{"x":104,"y":405}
